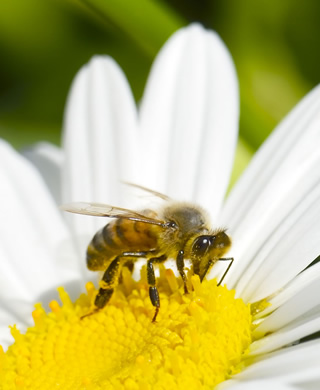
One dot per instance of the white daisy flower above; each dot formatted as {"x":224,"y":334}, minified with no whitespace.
{"x":181,"y":142}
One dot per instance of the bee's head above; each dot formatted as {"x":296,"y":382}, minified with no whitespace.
{"x":208,"y":249}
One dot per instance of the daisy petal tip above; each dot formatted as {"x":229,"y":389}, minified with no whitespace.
{"x":198,"y":30}
{"x":97,"y":65}
{"x":5,"y":147}
{"x":104,"y":63}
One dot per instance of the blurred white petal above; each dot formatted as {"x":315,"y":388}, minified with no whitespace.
{"x":189,"y":118}
{"x":32,"y":236}
{"x":48,"y":159}
{"x":100,"y":140}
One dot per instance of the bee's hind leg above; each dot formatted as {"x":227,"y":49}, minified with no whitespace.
{"x":109,"y":281}
{"x":153,"y":291}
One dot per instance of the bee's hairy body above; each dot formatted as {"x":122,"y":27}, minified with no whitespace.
{"x":184,"y":234}
{"x":118,"y":236}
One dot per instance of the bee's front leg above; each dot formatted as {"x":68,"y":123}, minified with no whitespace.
{"x":180,"y":266}
{"x":227,"y":270}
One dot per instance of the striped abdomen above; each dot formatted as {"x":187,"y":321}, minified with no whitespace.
{"x":120,"y":235}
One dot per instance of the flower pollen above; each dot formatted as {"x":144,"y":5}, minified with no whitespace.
{"x":198,"y":341}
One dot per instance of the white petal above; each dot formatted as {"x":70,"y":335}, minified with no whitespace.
{"x":48,"y":159}
{"x":297,"y":301}
{"x":292,"y":365}
{"x":263,"y":384}
{"x":302,"y":284}
{"x":293,"y":244}
{"x":305,"y":326}
{"x":276,"y":221}
{"x":296,"y":313}
{"x":33,"y":233}
{"x":100,"y":139}
{"x":189,"y":118}
{"x":282,"y":142}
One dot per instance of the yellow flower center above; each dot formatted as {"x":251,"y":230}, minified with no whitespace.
{"x":196,"y":343}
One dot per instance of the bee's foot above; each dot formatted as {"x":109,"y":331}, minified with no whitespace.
{"x":89,"y":314}
{"x":155,"y":315}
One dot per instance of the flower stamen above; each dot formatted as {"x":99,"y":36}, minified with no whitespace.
{"x":197,"y":341}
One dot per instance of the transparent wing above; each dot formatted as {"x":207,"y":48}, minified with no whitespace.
{"x":104,"y":210}
{"x":155,"y":193}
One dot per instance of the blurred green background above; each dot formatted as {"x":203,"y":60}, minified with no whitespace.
{"x":43,"y":44}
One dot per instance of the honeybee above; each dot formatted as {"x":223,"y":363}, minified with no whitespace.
{"x":179,"y":230}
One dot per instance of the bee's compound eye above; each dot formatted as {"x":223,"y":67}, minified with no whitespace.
{"x":201,"y":245}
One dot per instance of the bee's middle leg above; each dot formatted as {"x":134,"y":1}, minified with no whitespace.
{"x":153,"y":291}
{"x":130,"y":265}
